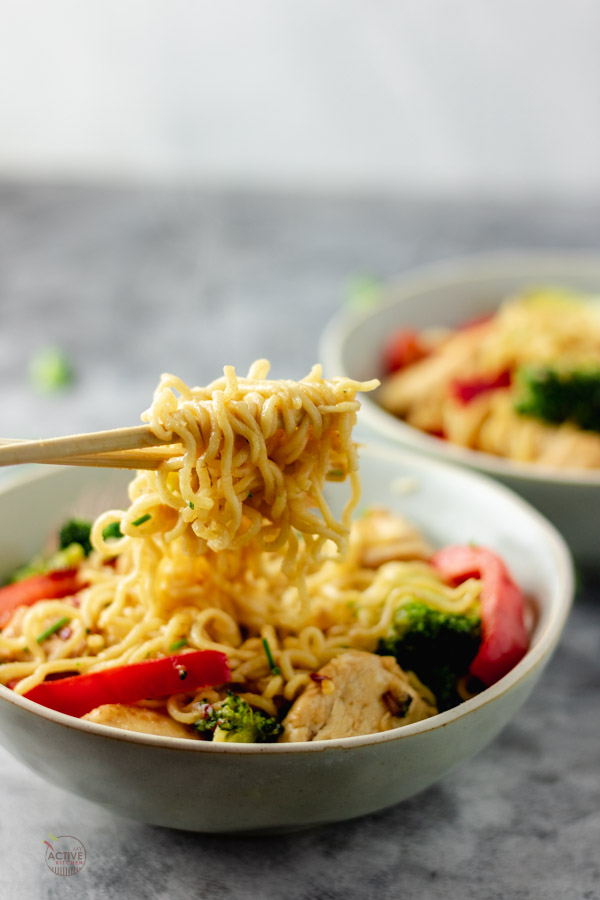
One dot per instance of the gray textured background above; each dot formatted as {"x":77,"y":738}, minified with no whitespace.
{"x":501,"y":95}
{"x":134,"y":282}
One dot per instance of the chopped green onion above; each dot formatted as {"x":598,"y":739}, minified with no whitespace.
{"x":112,"y":531}
{"x":141,"y":520}
{"x":364,"y":291}
{"x":191,"y":504}
{"x":275,"y":670}
{"x":249,"y":495}
{"x":52,"y":629}
{"x":50,"y":370}
{"x":335,"y":473}
{"x":178,"y":645}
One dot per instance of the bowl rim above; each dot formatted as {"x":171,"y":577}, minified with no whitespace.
{"x":454,"y":272}
{"x":536,"y":656}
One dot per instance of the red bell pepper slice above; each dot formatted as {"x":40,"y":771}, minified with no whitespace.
{"x":465,"y":390}
{"x":51,"y":586}
{"x":146,"y":680}
{"x":504,"y":638}
{"x":402,"y":349}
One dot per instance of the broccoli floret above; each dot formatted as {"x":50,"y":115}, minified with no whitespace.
{"x":76,"y":531}
{"x":67,"y":558}
{"x":74,"y":545}
{"x":437,"y":646}
{"x":558,"y":397}
{"x":237,"y":722}
{"x":37,"y":566}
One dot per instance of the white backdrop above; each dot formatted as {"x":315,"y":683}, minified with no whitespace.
{"x":494,"y":95}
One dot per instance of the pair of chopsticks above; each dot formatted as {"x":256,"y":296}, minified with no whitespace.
{"x":119,"y":448}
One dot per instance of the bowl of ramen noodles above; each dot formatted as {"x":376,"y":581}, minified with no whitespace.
{"x":491,"y":363}
{"x":270,"y":627}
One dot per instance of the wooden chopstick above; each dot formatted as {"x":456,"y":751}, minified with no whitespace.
{"x":150,"y":458}
{"x":119,"y":447}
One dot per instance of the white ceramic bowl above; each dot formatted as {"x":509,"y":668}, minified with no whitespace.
{"x":281,"y":787}
{"x":448,"y":294}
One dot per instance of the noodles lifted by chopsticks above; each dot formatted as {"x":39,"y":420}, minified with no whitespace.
{"x":256,"y":456}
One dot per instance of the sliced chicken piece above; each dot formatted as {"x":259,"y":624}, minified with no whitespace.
{"x":138,"y":718}
{"x":381,"y":536}
{"x":356,"y":693}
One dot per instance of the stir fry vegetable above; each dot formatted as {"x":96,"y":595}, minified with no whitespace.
{"x":146,"y":680}
{"x":504,"y":636}
{"x":558,"y":397}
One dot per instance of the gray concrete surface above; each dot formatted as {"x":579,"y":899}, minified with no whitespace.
{"x":132,"y":282}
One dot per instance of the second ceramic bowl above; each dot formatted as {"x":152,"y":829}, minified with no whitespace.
{"x":448,"y":294}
